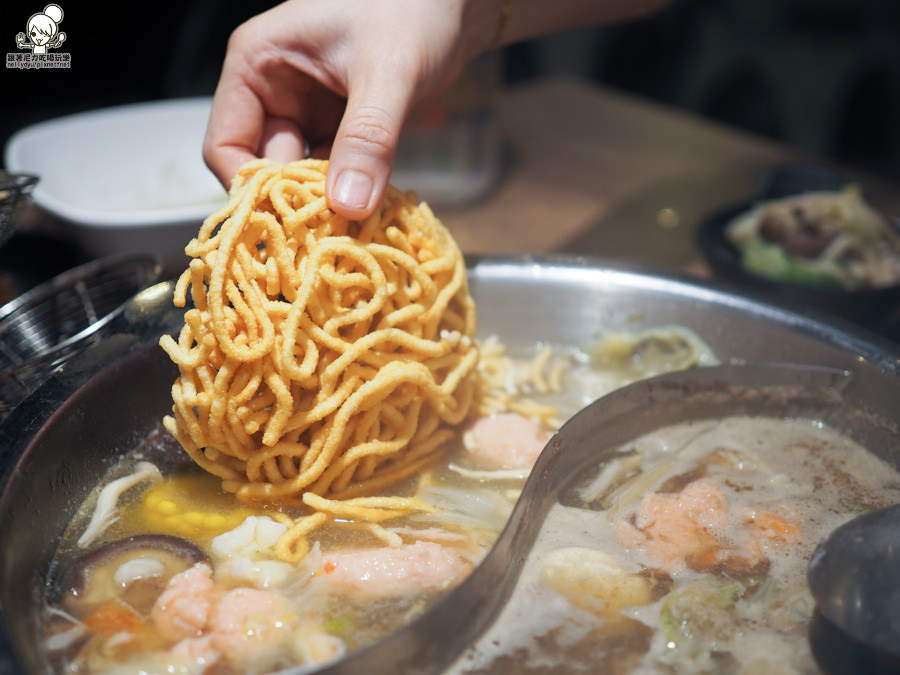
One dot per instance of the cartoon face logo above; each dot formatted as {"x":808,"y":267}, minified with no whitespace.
{"x":43,"y":31}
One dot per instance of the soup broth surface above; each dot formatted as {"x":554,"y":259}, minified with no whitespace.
{"x":687,"y":553}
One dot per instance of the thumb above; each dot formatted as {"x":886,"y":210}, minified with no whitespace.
{"x":362,"y":155}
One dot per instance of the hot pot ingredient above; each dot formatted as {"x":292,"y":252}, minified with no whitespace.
{"x":320,"y":355}
{"x":237,"y":605}
{"x":687,"y":553}
{"x":821,"y":238}
{"x":130,"y":571}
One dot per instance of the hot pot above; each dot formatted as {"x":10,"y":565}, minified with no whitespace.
{"x":60,"y":440}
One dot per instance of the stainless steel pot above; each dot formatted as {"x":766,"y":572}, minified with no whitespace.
{"x":60,"y":440}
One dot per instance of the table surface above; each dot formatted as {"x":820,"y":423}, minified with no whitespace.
{"x":595,"y":172}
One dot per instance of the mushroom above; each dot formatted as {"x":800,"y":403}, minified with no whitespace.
{"x":133,"y":571}
{"x":105,"y":510}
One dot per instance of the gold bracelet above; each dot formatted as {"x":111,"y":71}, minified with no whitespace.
{"x":502,"y":20}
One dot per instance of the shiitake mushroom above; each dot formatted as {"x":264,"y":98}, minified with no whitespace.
{"x":133,"y":571}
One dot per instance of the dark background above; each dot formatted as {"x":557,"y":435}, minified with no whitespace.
{"x":823,"y":75}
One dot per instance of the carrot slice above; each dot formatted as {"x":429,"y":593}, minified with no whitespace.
{"x":113,"y":617}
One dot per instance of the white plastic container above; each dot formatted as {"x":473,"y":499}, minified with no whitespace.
{"x":124,"y":179}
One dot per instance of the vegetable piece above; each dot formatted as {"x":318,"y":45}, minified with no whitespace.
{"x":105,"y":512}
{"x":698,"y":619}
{"x":113,"y":617}
{"x":638,"y":355}
{"x":769,"y":260}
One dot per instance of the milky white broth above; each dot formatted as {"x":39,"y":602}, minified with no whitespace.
{"x":742,"y":619}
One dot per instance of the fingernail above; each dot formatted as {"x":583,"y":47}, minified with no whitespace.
{"x":353,"y":188}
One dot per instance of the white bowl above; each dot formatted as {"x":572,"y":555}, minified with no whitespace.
{"x":125,"y":179}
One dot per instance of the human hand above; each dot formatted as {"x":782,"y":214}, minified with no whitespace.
{"x":310,"y":75}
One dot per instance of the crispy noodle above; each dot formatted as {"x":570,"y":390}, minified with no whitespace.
{"x":510,"y":385}
{"x":322,"y":359}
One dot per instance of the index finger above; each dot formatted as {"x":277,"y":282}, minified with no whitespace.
{"x":234,"y":130}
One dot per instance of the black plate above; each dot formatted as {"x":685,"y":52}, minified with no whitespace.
{"x":876,"y":309}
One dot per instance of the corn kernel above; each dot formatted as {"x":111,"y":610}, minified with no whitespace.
{"x":167,"y":507}
{"x":193,"y":518}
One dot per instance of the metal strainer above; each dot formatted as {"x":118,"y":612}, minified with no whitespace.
{"x":44,"y":327}
{"x":15,"y":195}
